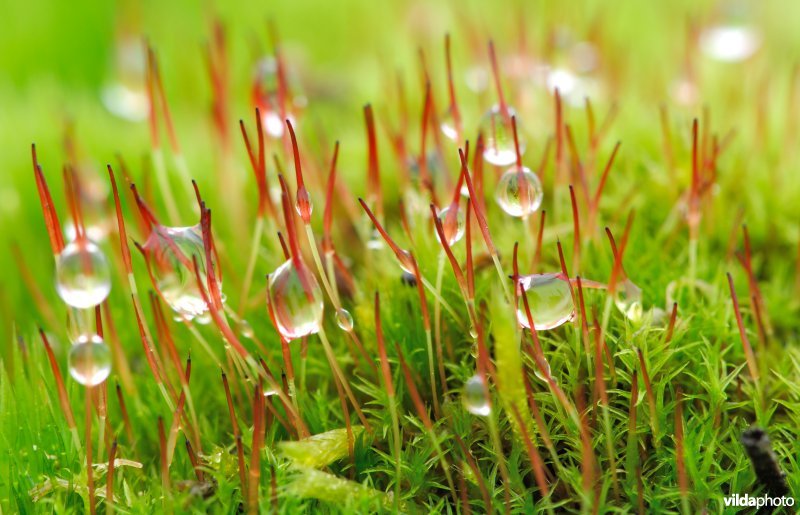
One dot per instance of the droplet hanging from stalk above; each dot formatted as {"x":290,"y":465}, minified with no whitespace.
{"x":549,"y":298}
{"x":499,"y":146}
{"x":89,"y":360}
{"x":170,"y":253}
{"x":294,"y":296}
{"x":473,"y":396}
{"x":83,"y":275}
{"x":519,"y":191}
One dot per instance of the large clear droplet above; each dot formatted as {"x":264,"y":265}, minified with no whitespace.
{"x":473,"y":396}
{"x":83,"y":275}
{"x":172,"y":251}
{"x":498,"y":137}
{"x":344,"y":320}
{"x":519,"y":193}
{"x":89,"y":360}
{"x":453,"y":225}
{"x":297,"y":307}
{"x":628,"y":299}
{"x":549,"y":299}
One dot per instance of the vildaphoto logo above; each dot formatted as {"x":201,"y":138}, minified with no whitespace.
{"x":762,"y":501}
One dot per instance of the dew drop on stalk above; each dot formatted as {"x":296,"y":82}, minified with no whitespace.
{"x":453,"y":226}
{"x":628,"y":299}
{"x":499,"y":138}
{"x":297,"y":310}
{"x":473,"y":396}
{"x":447,"y":125}
{"x":375,"y":242}
{"x":245,"y":329}
{"x":549,"y":299}
{"x":126,"y":96}
{"x":83,"y":275}
{"x":171,"y":251}
{"x":519,"y":194}
{"x":344,"y":320}
{"x":89,"y":360}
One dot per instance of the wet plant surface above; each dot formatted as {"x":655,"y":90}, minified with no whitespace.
{"x":547,"y":260}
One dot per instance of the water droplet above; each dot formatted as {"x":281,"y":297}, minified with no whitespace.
{"x":245,"y":329}
{"x":730,"y":43}
{"x":549,"y":299}
{"x":126,"y":96}
{"x":453,"y":225}
{"x":89,"y":360}
{"x":269,"y":391}
{"x":519,"y":194}
{"x":628,"y":299}
{"x":538,"y":373}
{"x":171,"y":251}
{"x":83,"y":276}
{"x":344,"y":320}
{"x":448,"y":125}
{"x":498,"y":136}
{"x":474,"y":397}
{"x":375,"y":241}
{"x":297,"y":308}
{"x":473,"y":332}
{"x":408,"y":279}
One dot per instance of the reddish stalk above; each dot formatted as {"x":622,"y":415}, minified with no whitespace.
{"x":576,"y":232}
{"x":501,"y":101}
{"x":48,"y":209}
{"x":757,"y":298}
{"x":752,"y":364}
{"x":451,"y":90}
{"x":126,"y":421}
{"x":195,"y":461}
{"x":375,"y":194}
{"x":672,"y":318}
{"x":303,"y":201}
{"x":62,"y":391}
{"x":533,"y":454}
{"x":218,"y":70}
{"x":236,"y":434}
{"x":483,"y":225}
{"x":258,"y":164}
{"x":633,"y":469}
{"x":594,"y":204}
{"x":651,"y":398}
{"x":559,"y":117}
{"x":487,"y":500}
{"x":327,"y":218}
{"x":39,"y":299}
{"x":255,"y":452}
{"x":588,"y":465}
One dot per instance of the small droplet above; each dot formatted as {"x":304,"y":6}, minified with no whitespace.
{"x":171,"y":251}
{"x":628,"y":299}
{"x":448,"y":125}
{"x":408,"y":279}
{"x":375,"y":241}
{"x":549,"y":299}
{"x":453,"y":226}
{"x":89,"y":360}
{"x":474,"y":397}
{"x":344,"y":320}
{"x":730,"y":43}
{"x":245,"y":329}
{"x":297,"y":307}
{"x":269,"y":391}
{"x":83,"y":276}
{"x":498,"y":136}
{"x":473,"y":332}
{"x":519,"y":194}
